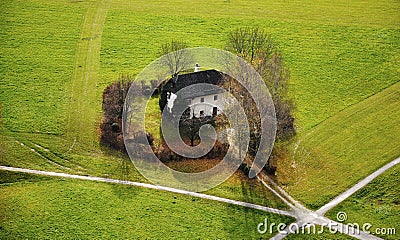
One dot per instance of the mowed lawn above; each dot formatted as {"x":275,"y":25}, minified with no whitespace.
{"x":47,"y":208}
{"x":344,"y":149}
{"x":339,"y":55}
{"x":377,"y":204}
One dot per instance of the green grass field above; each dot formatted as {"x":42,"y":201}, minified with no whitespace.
{"x":58,"y":209}
{"x":56,"y":58}
{"x":38,"y":42}
{"x":377,"y":204}
{"x":335,"y":61}
{"x":349,"y":146}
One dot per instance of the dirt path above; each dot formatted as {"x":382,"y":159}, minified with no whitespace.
{"x":305,"y":216}
{"x":82,"y":116}
{"x":356,"y":187}
{"x":146,"y":185}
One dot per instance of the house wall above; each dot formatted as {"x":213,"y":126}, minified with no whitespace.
{"x":207,"y":106}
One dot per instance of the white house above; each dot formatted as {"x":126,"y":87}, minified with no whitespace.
{"x":197,"y":91}
{"x":210,"y":104}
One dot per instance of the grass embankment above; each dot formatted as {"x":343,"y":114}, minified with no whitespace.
{"x":377,"y":204}
{"x":344,"y":149}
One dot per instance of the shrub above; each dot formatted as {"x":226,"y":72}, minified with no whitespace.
{"x":113,"y":103}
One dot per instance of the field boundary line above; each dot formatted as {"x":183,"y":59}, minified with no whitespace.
{"x":311,"y":129}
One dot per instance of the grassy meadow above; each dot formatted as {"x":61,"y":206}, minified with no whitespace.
{"x":377,"y":204}
{"x":335,"y":61}
{"x":56,"y":58}
{"x":349,"y":146}
{"x":58,"y":209}
{"x":38,"y":43}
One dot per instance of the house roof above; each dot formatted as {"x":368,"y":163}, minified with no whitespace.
{"x":199,"y":90}
{"x":189,"y":80}
{"x":208,"y":76}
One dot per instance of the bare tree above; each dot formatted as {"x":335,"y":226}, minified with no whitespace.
{"x":252,"y":122}
{"x":252,"y":44}
{"x":176,"y":57}
{"x":189,"y":127}
{"x":114,"y":97}
{"x":113,"y":102}
{"x":257,"y":48}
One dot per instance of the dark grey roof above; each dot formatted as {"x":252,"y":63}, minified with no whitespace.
{"x":198,"y":90}
{"x":208,"y":76}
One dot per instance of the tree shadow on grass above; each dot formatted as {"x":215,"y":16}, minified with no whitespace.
{"x":7,"y":177}
{"x":122,"y":191}
{"x":246,"y":219}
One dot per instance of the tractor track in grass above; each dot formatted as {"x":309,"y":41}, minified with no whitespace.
{"x":35,"y":148}
{"x":82,"y":116}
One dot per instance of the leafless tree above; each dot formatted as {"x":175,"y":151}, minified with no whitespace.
{"x":176,"y":57}
{"x":114,"y":97}
{"x":189,"y":127}
{"x":258,"y":48}
{"x":252,"y":44}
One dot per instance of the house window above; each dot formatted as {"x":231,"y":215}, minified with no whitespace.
{"x":202,"y":99}
{"x":201,"y":113}
{"x":215,"y":97}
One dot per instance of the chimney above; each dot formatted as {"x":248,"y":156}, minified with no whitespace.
{"x":196,"y":67}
